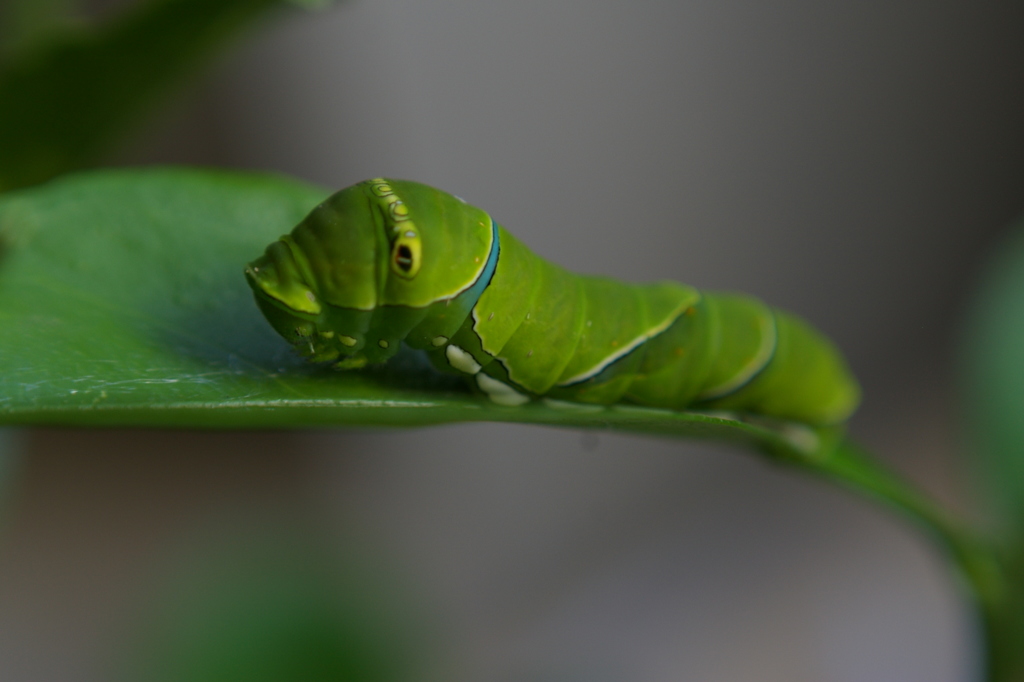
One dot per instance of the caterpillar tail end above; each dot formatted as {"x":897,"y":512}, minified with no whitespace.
{"x":808,"y":380}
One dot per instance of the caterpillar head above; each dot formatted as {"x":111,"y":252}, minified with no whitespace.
{"x":387,"y":244}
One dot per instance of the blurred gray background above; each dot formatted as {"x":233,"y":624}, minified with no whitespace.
{"x":851,"y":162}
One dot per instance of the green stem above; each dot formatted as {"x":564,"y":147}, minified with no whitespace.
{"x":976,"y":560}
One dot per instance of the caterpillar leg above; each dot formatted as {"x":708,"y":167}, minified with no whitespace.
{"x":453,"y":358}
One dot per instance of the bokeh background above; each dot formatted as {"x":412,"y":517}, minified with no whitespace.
{"x":854,"y":163}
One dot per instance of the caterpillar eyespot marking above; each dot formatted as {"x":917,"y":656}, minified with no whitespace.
{"x":390,"y":260}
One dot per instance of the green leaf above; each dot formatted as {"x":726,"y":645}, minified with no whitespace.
{"x":122,"y":302}
{"x":25,"y":22}
{"x":66,"y":101}
{"x":269,"y":603}
{"x":994,"y":364}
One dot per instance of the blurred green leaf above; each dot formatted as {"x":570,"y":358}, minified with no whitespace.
{"x":994,"y":353}
{"x":67,"y":100}
{"x":274,"y":607}
{"x":26,"y":22}
{"x":122,"y":302}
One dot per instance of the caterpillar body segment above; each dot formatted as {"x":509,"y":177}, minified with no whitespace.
{"x":387,"y":261}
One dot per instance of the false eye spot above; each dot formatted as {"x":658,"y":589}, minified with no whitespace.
{"x":403,"y":258}
{"x":405,"y":255}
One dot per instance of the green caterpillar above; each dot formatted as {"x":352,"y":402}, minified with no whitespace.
{"x":386,"y":261}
